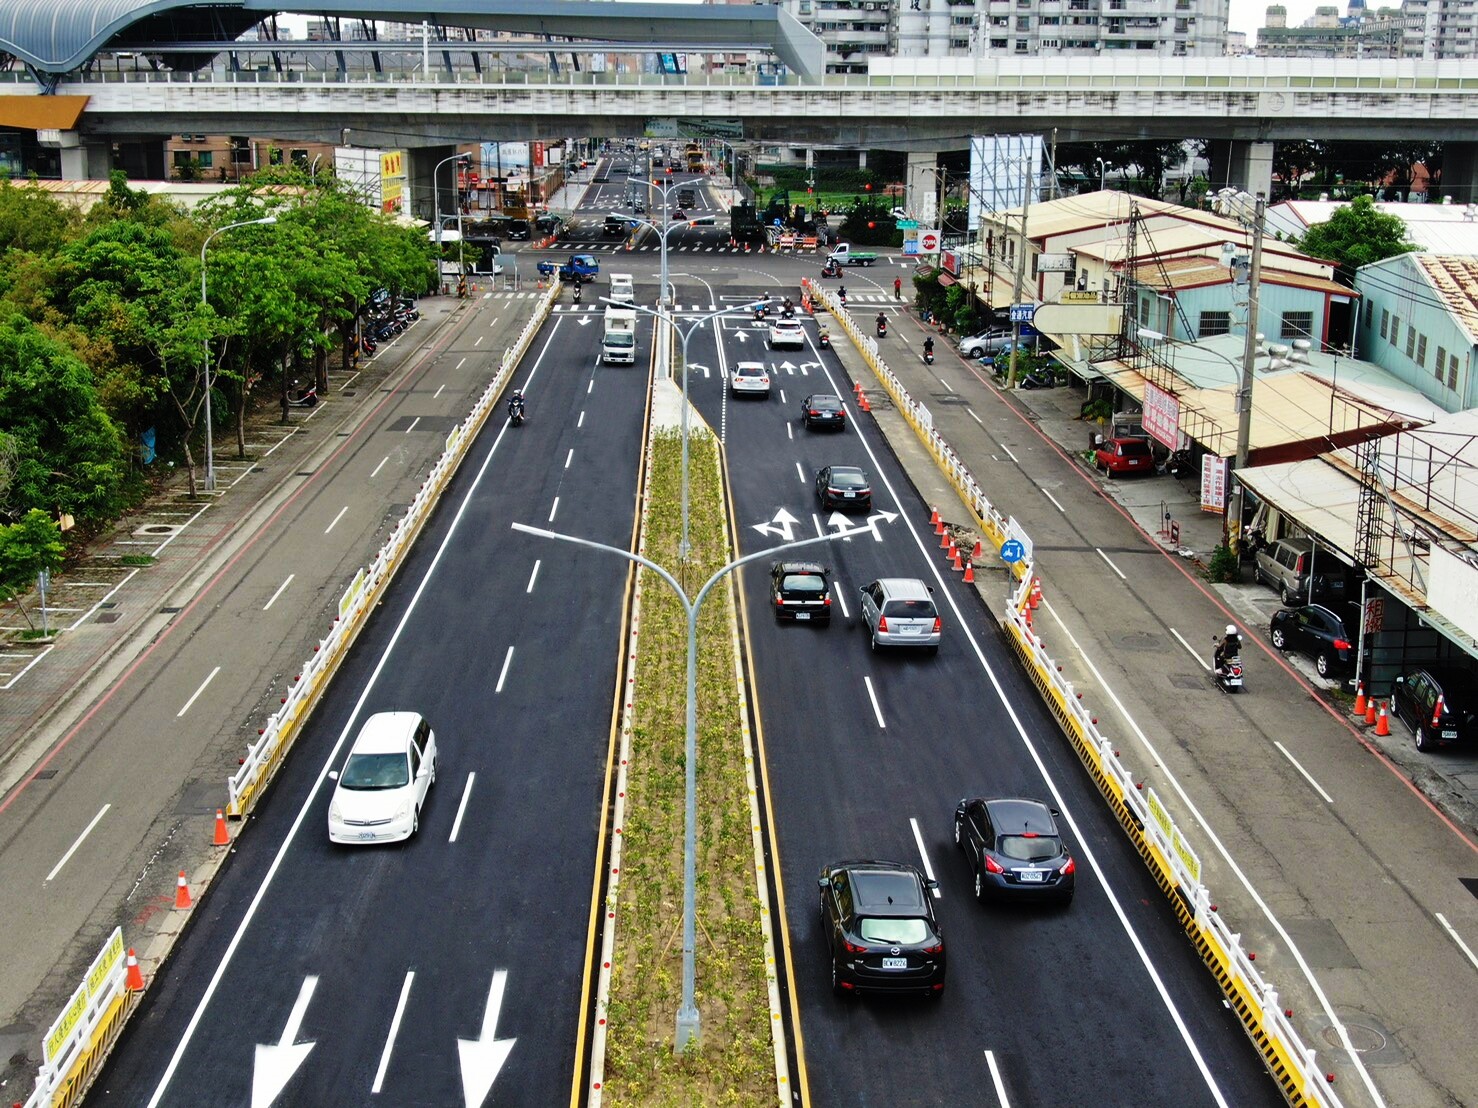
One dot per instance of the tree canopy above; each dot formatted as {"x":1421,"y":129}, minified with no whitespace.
{"x":1355,"y":235}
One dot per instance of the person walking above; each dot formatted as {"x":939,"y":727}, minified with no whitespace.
{"x":897,"y":288}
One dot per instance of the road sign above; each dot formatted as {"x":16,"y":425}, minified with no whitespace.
{"x":1012,"y":551}
{"x":1023,"y":313}
{"x":907,"y":224}
{"x":929,"y":242}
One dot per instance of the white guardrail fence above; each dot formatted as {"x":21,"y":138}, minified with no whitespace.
{"x":76,"y":1044}
{"x":1140,"y":811}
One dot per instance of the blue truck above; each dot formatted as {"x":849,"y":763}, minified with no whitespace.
{"x":581,"y":267}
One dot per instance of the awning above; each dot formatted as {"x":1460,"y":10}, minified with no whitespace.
{"x":945,"y":280}
{"x":42,"y":113}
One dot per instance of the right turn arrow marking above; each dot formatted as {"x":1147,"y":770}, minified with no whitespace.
{"x":277,"y":1062}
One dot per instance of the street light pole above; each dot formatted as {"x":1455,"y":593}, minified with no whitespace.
{"x":436,"y":210}
{"x":687,"y":1028}
{"x":210,"y":460}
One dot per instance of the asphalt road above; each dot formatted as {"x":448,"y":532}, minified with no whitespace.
{"x":507,"y":644}
{"x":866,"y":756}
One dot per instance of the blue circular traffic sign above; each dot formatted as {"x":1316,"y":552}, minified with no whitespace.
{"x":1012,"y":551}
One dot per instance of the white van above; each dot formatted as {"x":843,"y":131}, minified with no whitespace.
{"x":623,"y":290}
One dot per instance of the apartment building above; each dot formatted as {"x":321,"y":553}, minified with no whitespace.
{"x":1437,"y":29}
{"x":1359,"y":33}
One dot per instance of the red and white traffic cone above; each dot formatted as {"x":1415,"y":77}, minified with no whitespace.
{"x":133,"y":977}
{"x":1382,"y":724}
{"x":182,"y":893}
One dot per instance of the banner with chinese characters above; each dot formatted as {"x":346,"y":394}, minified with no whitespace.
{"x":1213,"y":483}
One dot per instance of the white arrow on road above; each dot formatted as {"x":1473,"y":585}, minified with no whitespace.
{"x":742,"y":336}
{"x":844,"y":525}
{"x":484,"y":1056}
{"x":780,"y":526}
{"x":788,"y":366}
{"x":585,"y":321}
{"x":699,"y":365}
{"x":276,"y":1063}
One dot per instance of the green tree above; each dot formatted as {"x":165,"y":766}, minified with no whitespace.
{"x":1357,"y":234}
{"x":27,"y":547}
{"x":68,"y":454}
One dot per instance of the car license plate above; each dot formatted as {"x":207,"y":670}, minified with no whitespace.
{"x":895,"y":963}
{"x":849,"y":495}
{"x":367,"y":836}
{"x":1031,"y":876}
{"x":1450,"y":735}
{"x":803,"y":615}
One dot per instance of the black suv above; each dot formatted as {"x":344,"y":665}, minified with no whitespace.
{"x":880,"y":929}
{"x":1417,"y":695}
{"x":1316,"y":631}
{"x":1015,"y":850}
{"x":801,"y":591}
{"x":614,"y":227}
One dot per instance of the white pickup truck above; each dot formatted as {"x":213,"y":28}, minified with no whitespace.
{"x":845,"y":255}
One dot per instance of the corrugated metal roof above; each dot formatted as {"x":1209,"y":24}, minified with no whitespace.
{"x":1184,"y":273}
{"x":1455,"y":280}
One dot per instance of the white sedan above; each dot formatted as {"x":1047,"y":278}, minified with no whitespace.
{"x":751,"y":378}
{"x":380,"y":790}
{"x":787,"y":332}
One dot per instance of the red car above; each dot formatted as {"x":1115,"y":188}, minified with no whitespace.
{"x":1118,"y":456}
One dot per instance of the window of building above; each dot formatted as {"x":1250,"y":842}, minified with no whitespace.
{"x":959,"y":44}
{"x":1395,"y":330}
{"x":1410,"y":342}
{"x":1385,"y":322}
{"x":1021,"y":46}
{"x":1441,"y":362}
{"x":1452,"y":371}
{"x":1421,"y":350}
{"x":1214,"y":323}
{"x":1297,"y":325}
{"x":181,"y":158}
{"x":1369,"y":311}
{"x":1023,"y":23}
{"x":206,"y":158}
{"x":240,"y":150}
{"x":998,"y":44}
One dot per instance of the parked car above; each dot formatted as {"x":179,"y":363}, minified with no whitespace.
{"x":1121,"y":456}
{"x":822,"y":409}
{"x":750,"y":378}
{"x":843,"y":487}
{"x":986,"y":342}
{"x":379,"y":793}
{"x":1415,"y":700}
{"x":900,"y":611}
{"x":1014,"y":849}
{"x":787,"y":332}
{"x":880,"y":929}
{"x":1285,"y":564}
{"x":1317,"y":631}
{"x":801,"y":591}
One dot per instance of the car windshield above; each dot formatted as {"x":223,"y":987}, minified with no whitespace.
{"x":804,"y":582}
{"x":847,"y":479}
{"x":375,"y":771}
{"x":1029,"y":848}
{"x":895,"y":931}
{"x":909,"y":609}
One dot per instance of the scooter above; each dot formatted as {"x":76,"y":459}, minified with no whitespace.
{"x":760,"y":311}
{"x":928,"y":355}
{"x":823,"y":340}
{"x":831,"y":269}
{"x":882,"y":328}
{"x":1042,"y":379}
{"x":1179,"y":463}
{"x":1228,"y":674}
{"x":303,"y":398}
{"x":515,"y":412}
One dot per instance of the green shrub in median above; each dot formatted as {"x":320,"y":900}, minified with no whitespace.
{"x":733,"y":1062}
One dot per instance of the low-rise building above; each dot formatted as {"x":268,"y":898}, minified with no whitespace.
{"x":1420,"y":322}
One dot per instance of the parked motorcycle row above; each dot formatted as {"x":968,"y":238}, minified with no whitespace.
{"x":385,"y":322}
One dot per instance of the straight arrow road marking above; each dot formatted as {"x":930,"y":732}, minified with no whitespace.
{"x":484,"y":1056}
{"x":780,"y":526}
{"x":276,"y":1063}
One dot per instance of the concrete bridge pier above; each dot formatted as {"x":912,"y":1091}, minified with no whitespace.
{"x":84,"y":159}
{"x":1460,"y":172}
{"x":1242,"y":164}
{"x":420,"y":161}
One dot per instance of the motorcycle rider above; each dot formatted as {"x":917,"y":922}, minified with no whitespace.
{"x":842,"y":294}
{"x":929,"y":349}
{"x":882,"y":324}
{"x":515,"y":405}
{"x":1228,"y":648}
{"x":578,"y":286}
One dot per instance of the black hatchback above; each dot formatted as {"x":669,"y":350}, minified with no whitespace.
{"x":801,"y":591}
{"x":1439,"y":703}
{"x":1317,"y":631}
{"x":880,"y":929}
{"x":1015,"y":850}
{"x":823,"y":409}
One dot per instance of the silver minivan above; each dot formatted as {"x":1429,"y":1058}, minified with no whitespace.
{"x":900,"y":611}
{"x":1286,"y":563}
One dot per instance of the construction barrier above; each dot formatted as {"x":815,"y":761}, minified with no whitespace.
{"x":264,"y":756}
{"x":1141,"y":812}
{"x":809,"y":242}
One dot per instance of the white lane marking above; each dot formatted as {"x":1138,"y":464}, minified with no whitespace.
{"x":569,"y":457}
{"x":533,"y":575}
{"x":945,"y":383}
{"x":1189,"y":648}
{"x":197,"y":692}
{"x":338,"y":517}
{"x":799,"y":472}
{"x":1221,"y":849}
{"x":553,"y":508}
{"x":1055,"y":504}
{"x":841,"y":601}
{"x":995,"y":1077}
{"x":437,"y":393}
{"x":412,"y":426}
{"x":462,"y":362}
{"x":971,"y":413}
{"x":581,"y":421}
{"x":918,"y":838}
{"x":278,"y":593}
{"x":1457,"y":939}
{"x":462,"y":807}
{"x":1307,"y":777}
{"x":219,"y":973}
{"x":1010,"y":455}
{"x":1050,"y":783}
{"x":782,"y":400}
{"x":789,"y":432}
{"x":477,"y":341}
{"x":56,"y":869}
{"x":1111,"y":565}
{"x":405,"y":992}
{"x":503,"y":674}
{"x":590,"y":386}
{"x":376,"y":471}
{"x":876,"y":708}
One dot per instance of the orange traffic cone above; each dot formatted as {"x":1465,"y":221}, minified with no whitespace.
{"x":1028,"y":613}
{"x":938,"y":524}
{"x":969,"y":573}
{"x":1370,"y":710}
{"x":1360,"y":699}
{"x":182,"y":893}
{"x":856,"y":388}
{"x":958,"y":564}
{"x":1036,"y":597}
{"x":943,"y":538}
{"x":978,"y":551}
{"x":1382,"y":724}
{"x":866,"y":407}
{"x":934,"y":517}
{"x":133,"y":977}
{"x":222,"y":836}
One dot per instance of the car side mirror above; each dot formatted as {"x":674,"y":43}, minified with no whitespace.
{"x":1400,"y":680}
{"x":333,"y":775}
{"x":930,"y":883}
{"x":821,"y":882}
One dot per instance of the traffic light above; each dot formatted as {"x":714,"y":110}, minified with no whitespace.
{"x":867,"y":187}
{"x":872,"y":225}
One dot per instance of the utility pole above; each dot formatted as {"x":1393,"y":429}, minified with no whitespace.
{"x":1244,"y":390}
{"x":1026,"y":199}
